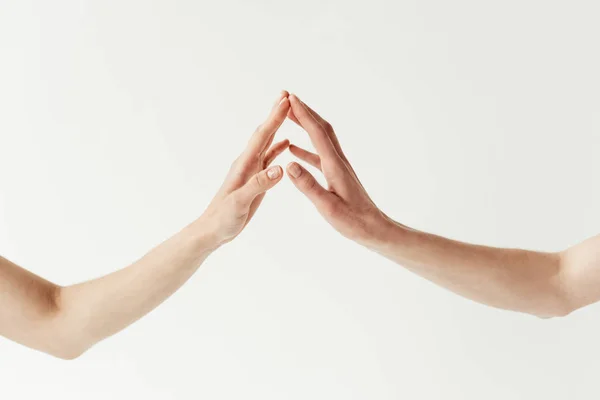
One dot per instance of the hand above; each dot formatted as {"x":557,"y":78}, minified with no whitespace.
{"x":345,"y":204}
{"x":248,"y":179}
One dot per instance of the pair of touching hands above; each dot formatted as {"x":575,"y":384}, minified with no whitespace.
{"x":344,"y":204}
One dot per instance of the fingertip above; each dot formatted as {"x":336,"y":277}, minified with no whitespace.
{"x":281,"y":145}
{"x":297,"y":99}
{"x":294,"y":170}
{"x":284,"y":102}
{"x":293,"y":148}
{"x":297,"y":106}
{"x":275,"y":172}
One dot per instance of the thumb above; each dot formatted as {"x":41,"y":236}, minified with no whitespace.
{"x":307,"y":184}
{"x":259,"y":183}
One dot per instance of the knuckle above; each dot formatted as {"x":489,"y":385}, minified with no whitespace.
{"x":310,"y":184}
{"x":258,"y":180}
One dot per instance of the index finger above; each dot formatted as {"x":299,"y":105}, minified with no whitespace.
{"x":317,"y":133}
{"x":326,"y":126}
{"x":263,"y":136}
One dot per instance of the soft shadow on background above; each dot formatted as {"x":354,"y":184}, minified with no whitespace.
{"x":476,"y":120}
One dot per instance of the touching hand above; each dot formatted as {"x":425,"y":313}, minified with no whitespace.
{"x":248,"y":179}
{"x":345,"y":204}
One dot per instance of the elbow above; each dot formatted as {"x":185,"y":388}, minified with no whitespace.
{"x":563,"y":310}
{"x":65,"y":338}
{"x":558,"y":299}
{"x":67,"y":353}
{"x":564,"y":306}
{"x":559,"y":304}
{"x":65,"y":343}
{"x":58,"y":340}
{"x":554,"y":308}
{"x":555,"y":311}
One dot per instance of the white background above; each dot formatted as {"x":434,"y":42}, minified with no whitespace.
{"x":478,"y":120}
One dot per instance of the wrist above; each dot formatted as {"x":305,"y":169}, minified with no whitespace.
{"x":385,"y":234}
{"x":203,"y":232}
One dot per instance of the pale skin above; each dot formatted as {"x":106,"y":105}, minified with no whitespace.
{"x":66,"y":321}
{"x":545,"y":284}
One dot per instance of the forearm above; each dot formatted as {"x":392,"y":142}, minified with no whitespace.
{"x":93,"y":310}
{"x":65,"y":321}
{"x":513,"y":279}
{"x":544,"y":284}
{"x":506,"y":278}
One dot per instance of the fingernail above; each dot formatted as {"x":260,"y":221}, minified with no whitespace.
{"x":294,"y":170}
{"x":283,"y":100}
{"x":298,"y":100}
{"x":273,"y":173}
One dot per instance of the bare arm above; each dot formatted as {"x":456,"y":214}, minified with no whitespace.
{"x":66,"y":321}
{"x":543,"y":284}
{"x":513,"y":279}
